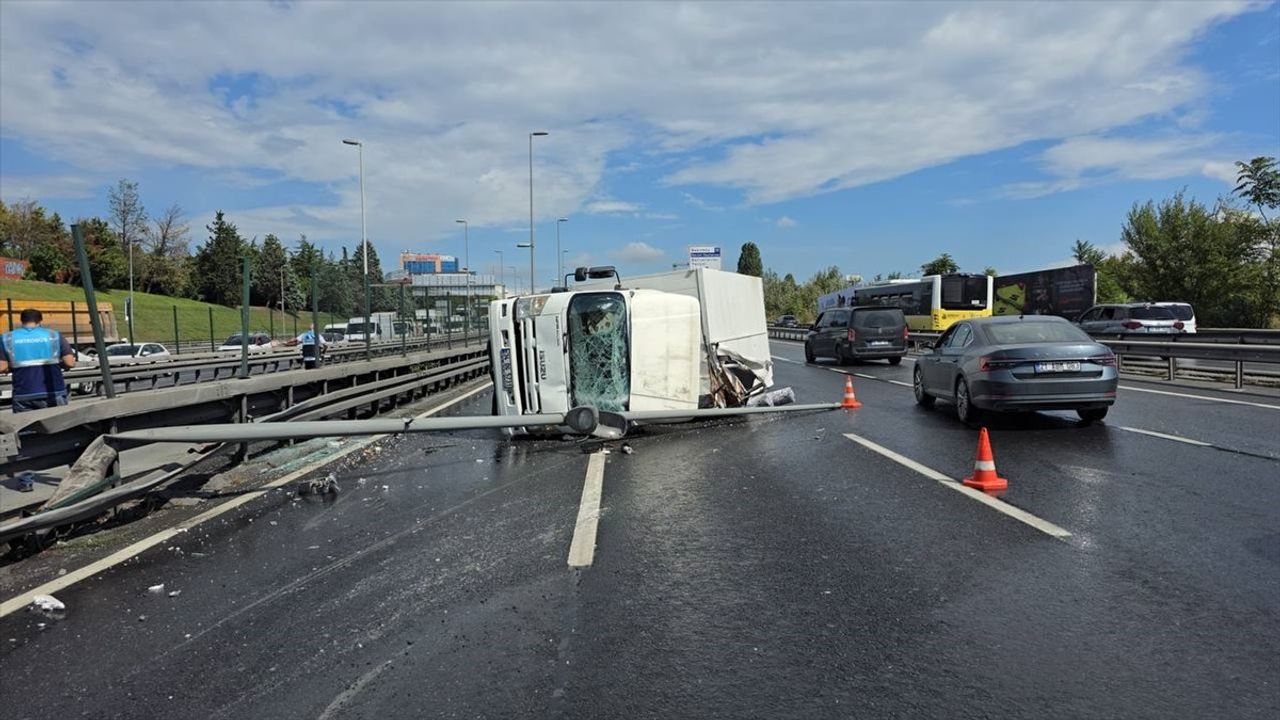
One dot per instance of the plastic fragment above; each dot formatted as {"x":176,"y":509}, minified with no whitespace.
{"x":156,"y":589}
{"x":626,"y":450}
{"x":175,"y":593}
{"x":48,"y":603}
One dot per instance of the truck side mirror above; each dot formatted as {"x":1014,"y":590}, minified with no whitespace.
{"x":580,"y":275}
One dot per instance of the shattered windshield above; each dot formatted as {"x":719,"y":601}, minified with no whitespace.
{"x":599,"y":352}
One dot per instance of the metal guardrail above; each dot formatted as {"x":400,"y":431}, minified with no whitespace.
{"x":203,"y":367}
{"x":1260,"y":348}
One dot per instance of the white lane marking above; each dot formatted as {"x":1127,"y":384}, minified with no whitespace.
{"x":783,"y":359}
{"x":1164,"y":436}
{"x":1040,"y":524}
{"x":899,"y":382}
{"x":583,"y":548}
{"x":1200,"y":397}
{"x":344,"y":698}
{"x":19,"y":602}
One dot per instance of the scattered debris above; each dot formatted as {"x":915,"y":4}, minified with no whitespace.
{"x":142,"y":618}
{"x":773,"y":398}
{"x":47,"y":603}
{"x":156,"y":589}
{"x":327,"y":486}
{"x":361,"y":481}
{"x":62,"y":571}
{"x":479,"y":460}
{"x":386,"y":488}
{"x":175,"y":593}
{"x":335,"y":444}
{"x":626,"y":449}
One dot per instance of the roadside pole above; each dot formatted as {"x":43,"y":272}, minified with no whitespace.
{"x":244,"y":322}
{"x":404,"y":324}
{"x":177,"y":340}
{"x":315,"y":318}
{"x":86,"y":278}
{"x":212,"y":347}
{"x":75,"y":327}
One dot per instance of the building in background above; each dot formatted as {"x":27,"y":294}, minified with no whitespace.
{"x":428,"y":263}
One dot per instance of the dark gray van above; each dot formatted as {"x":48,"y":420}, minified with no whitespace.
{"x":868,"y":332}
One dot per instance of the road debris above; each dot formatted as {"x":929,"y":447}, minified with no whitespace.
{"x":47,"y":603}
{"x":626,"y":449}
{"x":773,"y":398}
{"x":156,"y":589}
{"x":175,"y":593}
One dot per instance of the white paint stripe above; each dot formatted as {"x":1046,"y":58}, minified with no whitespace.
{"x":1200,"y":397}
{"x":19,"y":602}
{"x":1164,"y":436}
{"x":864,"y":375}
{"x":1019,"y":514}
{"x":582,"y":550}
{"x":783,"y":359}
{"x":899,"y":382}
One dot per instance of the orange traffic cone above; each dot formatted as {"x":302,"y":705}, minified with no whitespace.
{"x":984,"y":475}
{"x":850,"y":400}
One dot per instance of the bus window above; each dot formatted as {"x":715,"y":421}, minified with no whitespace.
{"x":965,"y":292}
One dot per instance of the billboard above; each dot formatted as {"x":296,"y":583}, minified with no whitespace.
{"x":12,"y":268}
{"x":704,"y":256}
{"x":1065,"y":292}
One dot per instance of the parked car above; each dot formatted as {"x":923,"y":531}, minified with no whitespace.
{"x":788,"y":321}
{"x":1029,"y":362}
{"x":258,"y":342}
{"x":1183,"y":312}
{"x":1119,"y":318}
{"x":858,"y":333}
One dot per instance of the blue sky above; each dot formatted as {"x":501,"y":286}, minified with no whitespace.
{"x":857,"y":135}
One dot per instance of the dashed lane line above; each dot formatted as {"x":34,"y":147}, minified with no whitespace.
{"x":582,"y":550}
{"x":19,"y":602}
{"x":1165,"y":436}
{"x":1016,"y":513}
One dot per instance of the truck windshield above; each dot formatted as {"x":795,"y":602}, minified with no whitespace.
{"x":356,"y":328}
{"x":598,"y":351}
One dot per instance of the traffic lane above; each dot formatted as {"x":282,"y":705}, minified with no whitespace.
{"x":440,"y":572}
{"x":767,"y":568}
{"x":753,"y":570}
{"x":1245,"y":422}
{"x":1194,"y":524}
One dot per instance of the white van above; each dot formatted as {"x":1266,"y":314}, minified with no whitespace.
{"x":1182,"y":311}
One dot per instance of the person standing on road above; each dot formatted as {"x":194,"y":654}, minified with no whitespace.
{"x":35,"y":356}
{"x":313,"y":345}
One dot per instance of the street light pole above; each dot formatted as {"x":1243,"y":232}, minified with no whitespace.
{"x":559,"y":254}
{"x":502,"y":273}
{"x":515,"y":277}
{"x":532,"y":135}
{"x":466,"y":255}
{"x":364,"y":248}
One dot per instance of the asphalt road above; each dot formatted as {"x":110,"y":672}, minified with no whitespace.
{"x":765,"y":568}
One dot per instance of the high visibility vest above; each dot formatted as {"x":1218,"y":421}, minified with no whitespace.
{"x":308,"y":345}
{"x":31,"y":347}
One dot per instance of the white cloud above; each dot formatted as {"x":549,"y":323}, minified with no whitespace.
{"x":776,"y":100}
{"x":694,"y":201}
{"x":611,"y":207}
{"x":1087,"y":161}
{"x":638,"y":252}
{"x":43,"y":187}
{"x":785,"y":222}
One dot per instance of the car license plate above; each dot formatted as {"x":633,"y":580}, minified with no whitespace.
{"x":878,"y":343}
{"x":1057,"y":367}
{"x":506,"y":368}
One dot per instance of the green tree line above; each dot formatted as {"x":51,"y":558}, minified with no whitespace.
{"x":165,"y":263}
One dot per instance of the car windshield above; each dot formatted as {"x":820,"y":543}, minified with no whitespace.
{"x":878,"y":318}
{"x":233,"y":340}
{"x":122,"y":350}
{"x":1151,"y":313}
{"x":1181,"y":312}
{"x":1034,"y":332}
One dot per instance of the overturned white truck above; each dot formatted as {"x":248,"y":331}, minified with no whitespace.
{"x":672,"y":341}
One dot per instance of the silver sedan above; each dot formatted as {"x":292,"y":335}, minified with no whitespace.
{"x":1017,"y":363}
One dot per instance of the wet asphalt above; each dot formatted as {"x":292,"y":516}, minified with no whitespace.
{"x":766,"y":568}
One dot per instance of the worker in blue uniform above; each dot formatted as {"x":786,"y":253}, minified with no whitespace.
{"x":35,"y":356}
{"x":313,"y":345}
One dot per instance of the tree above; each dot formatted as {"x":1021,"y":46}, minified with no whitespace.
{"x":988,"y":270}
{"x":105,"y":254}
{"x":166,"y":269}
{"x":1259,"y":183}
{"x":749,"y":262}
{"x":217,"y":263}
{"x":1086,"y":253}
{"x":944,"y":264}
{"x":304,"y":259}
{"x":25,"y":228}
{"x":128,"y":219}
{"x":49,"y":262}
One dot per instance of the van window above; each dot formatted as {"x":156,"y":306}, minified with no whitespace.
{"x":838,"y":318}
{"x":878,"y":318}
{"x":1181,"y":311}
{"x":599,"y":352}
{"x":1151,"y":313}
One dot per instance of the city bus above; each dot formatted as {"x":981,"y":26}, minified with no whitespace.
{"x":931,"y":303}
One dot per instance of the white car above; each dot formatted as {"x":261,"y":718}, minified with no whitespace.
{"x":1182,"y":311}
{"x":258,"y":342}
{"x":135,"y":352}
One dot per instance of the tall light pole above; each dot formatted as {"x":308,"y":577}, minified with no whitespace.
{"x":502,"y":273}
{"x":364,"y":248}
{"x":515,"y":278}
{"x":559,"y":253}
{"x":532,"y":135}
{"x":466,"y":256}
{"x":562,"y":254}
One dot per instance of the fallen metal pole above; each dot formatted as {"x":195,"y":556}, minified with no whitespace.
{"x":708,"y":413}
{"x":252,"y":432}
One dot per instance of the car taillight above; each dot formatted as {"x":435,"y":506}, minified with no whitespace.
{"x":1108,"y":360}
{"x":853,"y":335}
{"x":1177,"y":325}
{"x":1132,"y":325}
{"x":987,"y":363}
{"x":906,"y":333}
